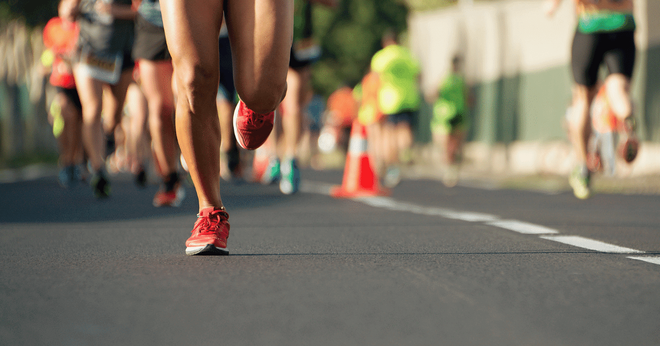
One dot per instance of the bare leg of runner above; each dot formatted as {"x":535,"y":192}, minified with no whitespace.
{"x":298,"y":83}
{"x":260,"y":32}
{"x":580,"y":126}
{"x":156,"y":79}
{"x":91,"y":96}
{"x":618,"y":93}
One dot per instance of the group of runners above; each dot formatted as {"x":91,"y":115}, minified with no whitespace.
{"x":175,"y":53}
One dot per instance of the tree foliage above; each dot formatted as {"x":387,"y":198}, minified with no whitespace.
{"x":349,"y":35}
{"x":33,"y":12}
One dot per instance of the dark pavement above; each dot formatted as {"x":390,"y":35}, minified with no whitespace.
{"x":426,"y":266}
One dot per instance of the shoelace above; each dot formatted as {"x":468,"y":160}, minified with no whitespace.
{"x":256,"y":119}
{"x":210,"y":223}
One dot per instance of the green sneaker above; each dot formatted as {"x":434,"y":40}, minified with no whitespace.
{"x":290,"y":177}
{"x":272,"y":173}
{"x":580,"y":183}
{"x":100,"y":185}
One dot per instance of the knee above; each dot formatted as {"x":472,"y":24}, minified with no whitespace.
{"x":196,"y":84}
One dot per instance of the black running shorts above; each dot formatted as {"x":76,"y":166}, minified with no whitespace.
{"x":615,"y":49}
{"x":72,"y":95}
{"x":149,"y":41}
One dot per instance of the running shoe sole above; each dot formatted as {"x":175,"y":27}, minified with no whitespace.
{"x":208,"y":250}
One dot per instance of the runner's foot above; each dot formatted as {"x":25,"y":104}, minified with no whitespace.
{"x":230,"y":165}
{"x":272,"y":173}
{"x":290,"y":177}
{"x":171,"y":193}
{"x":251,"y":129}
{"x":629,"y":143}
{"x":100,"y":185}
{"x":141,"y":178}
{"x":392,"y":177}
{"x":210,"y":233}
{"x":580,"y":180}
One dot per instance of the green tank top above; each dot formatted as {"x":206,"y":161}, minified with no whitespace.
{"x":452,"y":90}
{"x":605,"y":21}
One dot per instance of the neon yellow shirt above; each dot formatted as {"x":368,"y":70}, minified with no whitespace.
{"x":398,"y":71}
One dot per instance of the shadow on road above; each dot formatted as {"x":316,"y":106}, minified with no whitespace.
{"x":43,"y":200}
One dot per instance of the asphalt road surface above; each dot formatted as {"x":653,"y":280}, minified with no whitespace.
{"x":426,"y":265}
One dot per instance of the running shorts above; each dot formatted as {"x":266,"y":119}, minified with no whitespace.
{"x":72,"y":95}
{"x":295,"y":63}
{"x":589,"y":51}
{"x":401,"y":117}
{"x":149,"y":41}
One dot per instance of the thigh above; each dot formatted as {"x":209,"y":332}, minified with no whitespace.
{"x":90,"y":91}
{"x":261,"y":33}
{"x":586,"y":58}
{"x":620,"y":55}
{"x":156,"y":80}
{"x":192,"y":28}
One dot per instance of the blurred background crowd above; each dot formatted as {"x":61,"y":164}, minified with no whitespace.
{"x":514,"y":62}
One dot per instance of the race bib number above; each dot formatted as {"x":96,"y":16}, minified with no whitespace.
{"x":106,"y":68}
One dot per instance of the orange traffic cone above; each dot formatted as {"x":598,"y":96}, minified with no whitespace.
{"x":360,"y":179}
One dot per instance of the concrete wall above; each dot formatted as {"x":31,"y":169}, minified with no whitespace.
{"x":518,"y":63}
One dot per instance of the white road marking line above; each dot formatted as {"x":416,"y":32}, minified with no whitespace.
{"x":589,"y":244}
{"x":522,"y":227}
{"x":389,"y":203}
{"x":492,"y":220}
{"x":654,"y":260}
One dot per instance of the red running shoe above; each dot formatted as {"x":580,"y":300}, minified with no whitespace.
{"x":251,"y":129}
{"x":171,"y":192}
{"x":171,"y":198}
{"x":628,"y":141}
{"x":210,"y":233}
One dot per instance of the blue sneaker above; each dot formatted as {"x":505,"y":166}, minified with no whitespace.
{"x":69,"y":176}
{"x":290,"y":177}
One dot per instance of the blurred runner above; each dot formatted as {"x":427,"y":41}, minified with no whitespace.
{"x":604,"y":34}
{"x":399,"y":99}
{"x":449,"y":120}
{"x":104,"y":62}
{"x":370,"y":115}
{"x":230,"y":159}
{"x":137,"y":142}
{"x":155,"y":67}
{"x":304,"y":52}
{"x":261,"y":33}
{"x":60,"y":36}
{"x":341,"y":110}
